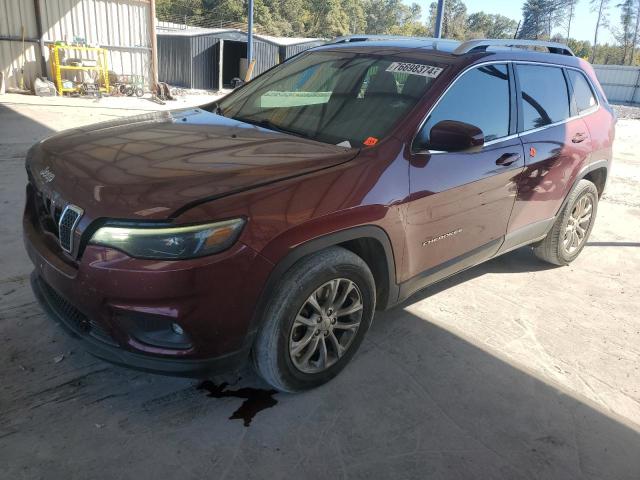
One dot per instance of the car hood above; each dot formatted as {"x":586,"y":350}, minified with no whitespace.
{"x":152,"y":165}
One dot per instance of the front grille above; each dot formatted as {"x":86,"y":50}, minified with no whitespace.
{"x":73,"y":319}
{"x":57,"y":217}
{"x":67,"y":225}
{"x":48,"y":212}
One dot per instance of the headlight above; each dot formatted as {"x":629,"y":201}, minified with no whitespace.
{"x":171,"y":242}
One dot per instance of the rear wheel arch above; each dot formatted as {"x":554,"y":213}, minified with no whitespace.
{"x":598,"y":177}
{"x":597,"y":171}
{"x":369,"y":242}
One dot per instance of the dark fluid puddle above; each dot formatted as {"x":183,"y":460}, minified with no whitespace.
{"x":255,"y":399}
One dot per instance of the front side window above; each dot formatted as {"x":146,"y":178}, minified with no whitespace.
{"x":479,"y":97}
{"x":545,"y":98}
{"x":582,"y":93}
{"x":334,"y":97}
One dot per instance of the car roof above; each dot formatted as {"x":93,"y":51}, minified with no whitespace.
{"x":387,"y":41}
{"x":448,"y":51}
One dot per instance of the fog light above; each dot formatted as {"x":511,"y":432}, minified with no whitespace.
{"x":155,"y":330}
{"x":177,"y":329}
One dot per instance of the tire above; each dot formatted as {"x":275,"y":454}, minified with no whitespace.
{"x":281,"y":332}
{"x":139,"y":92}
{"x":554,"y":248}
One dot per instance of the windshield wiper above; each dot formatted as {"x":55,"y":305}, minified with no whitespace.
{"x":264,"y":123}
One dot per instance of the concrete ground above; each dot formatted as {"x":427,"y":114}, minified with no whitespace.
{"x":513,"y":369}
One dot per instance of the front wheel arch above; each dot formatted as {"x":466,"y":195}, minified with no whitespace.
{"x":368,"y":242}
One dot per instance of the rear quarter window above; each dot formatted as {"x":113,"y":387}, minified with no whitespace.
{"x":545,"y":98}
{"x":583,"y":96}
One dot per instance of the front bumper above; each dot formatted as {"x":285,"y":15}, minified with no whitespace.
{"x":99,"y":344}
{"x":101,"y":296}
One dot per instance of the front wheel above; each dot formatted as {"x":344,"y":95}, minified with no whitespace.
{"x":572,"y":228}
{"x":315,"y":321}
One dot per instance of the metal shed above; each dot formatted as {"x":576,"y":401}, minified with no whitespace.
{"x":289,"y":46}
{"x":209,"y":58}
{"x":189,"y":61}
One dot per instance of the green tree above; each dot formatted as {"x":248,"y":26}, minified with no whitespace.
{"x":454,"y":19}
{"x":490,"y":25}
{"x":624,"y":35}
{"x":534,"y":14}
{"x":392,"y":17}
{"x":636,"y":34}
{"x":327,"y":18}
{"x":570,"y":13}
{"x":602,"y":8}
{"x":581,"y":48}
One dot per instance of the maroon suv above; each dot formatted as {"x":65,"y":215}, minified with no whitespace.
{"x":272,"y":224}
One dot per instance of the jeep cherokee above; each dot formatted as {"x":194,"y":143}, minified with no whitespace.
{"x":271,"y":224}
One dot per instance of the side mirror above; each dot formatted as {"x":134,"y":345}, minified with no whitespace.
{"x":453,"y":136}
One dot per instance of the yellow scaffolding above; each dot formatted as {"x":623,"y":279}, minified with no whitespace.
{"x":57,"y":68}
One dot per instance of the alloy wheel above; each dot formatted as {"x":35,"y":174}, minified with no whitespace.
{"x":325,"y":326}
{"x":575,"y":232}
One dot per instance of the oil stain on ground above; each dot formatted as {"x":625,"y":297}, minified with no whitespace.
{"x":255,"y":399}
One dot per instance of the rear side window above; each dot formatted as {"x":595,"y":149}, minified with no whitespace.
{"x":545,"y":97}
{"x":582,"y":93}
{"x":479,"y":97}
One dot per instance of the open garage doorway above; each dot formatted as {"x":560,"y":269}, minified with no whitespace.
{"x":234,"y":61}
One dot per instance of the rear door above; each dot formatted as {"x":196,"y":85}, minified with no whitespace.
{"x":461,"y":201}
{"x":556,"y":143}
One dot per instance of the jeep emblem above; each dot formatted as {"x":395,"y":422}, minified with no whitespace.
{"x":47,"y":175}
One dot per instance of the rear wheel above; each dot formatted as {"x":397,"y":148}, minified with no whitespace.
{"x":572,"y":228}
{"x":315,"y":321}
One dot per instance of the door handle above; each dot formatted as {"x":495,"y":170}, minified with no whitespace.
{"x":579,"y":137}
{"x":507,"y":159}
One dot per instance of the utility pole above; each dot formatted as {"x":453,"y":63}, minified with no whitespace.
{"x":43,"y":62}
{"x":154,"y":47}
{"x":250,"y":39}
{"x":439,"y":15}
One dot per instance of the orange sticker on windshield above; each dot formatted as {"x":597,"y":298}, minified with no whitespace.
{"x":370,"y":141}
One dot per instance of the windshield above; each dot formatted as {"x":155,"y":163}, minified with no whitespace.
{"x":333,"y":97}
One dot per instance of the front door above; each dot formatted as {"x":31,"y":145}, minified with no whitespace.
{"x":461,"y":201}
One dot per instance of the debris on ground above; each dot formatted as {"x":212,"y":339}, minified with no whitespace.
{"x":627,"y":112}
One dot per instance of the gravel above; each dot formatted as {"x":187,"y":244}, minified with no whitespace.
{"x":627,"y":112}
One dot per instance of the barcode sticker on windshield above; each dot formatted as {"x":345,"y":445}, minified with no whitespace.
{"x":415,"y":69}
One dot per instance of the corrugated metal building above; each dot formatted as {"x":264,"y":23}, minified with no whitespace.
{"x":621,"y":84}
{"x":209,"y":58}
{"x":121,"y":26}
{"x":288,"y":47}
{"x":189,"y":61}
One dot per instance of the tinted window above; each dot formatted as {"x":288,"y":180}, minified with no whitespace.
{"x":544,"y":95}
{"x":479,"y":97}
{"x":582,"y":93}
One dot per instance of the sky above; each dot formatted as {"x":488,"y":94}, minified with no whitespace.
{"x":582,"y":27}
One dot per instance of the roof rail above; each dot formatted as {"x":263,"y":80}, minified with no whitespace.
{"x":481,"y":45}
{"x":367,"y":38}
{"x":375,"y":37}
